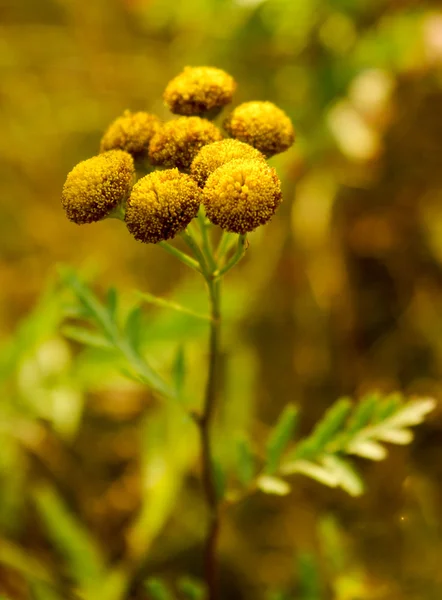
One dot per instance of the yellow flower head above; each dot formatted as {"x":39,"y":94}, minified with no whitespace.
{"x":96,"y":186}
{"x":212,"y":156}
{"x":131,"y":132}
{"x":262,"y":125}
{"x":161,"y":205}
{"x":178,"y":142}
{"x":198,"y":90}
{"x":241,"y":195}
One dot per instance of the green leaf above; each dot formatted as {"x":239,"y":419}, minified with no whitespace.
{"x":312,"y":470}
{"x":179,"y":370}
{"x":392,"y":430}
{"x":41,"y":324}
{"x":273,"y":485}
{"x":387,"y":407}
{"x":69,"y":536}
{"x":245,"y":461}
{"x":191,"y":589}
{"x":309,"y":575}
{"x":280,"y":436}
{"x":75,"y":311}
{"x":157,"y":590}
{"x":413,"y":413}
{"x":348,"y":478}
{"x":366,"y":449}
{"x":402,"y":437}
{"x":363,"y":413}
{"x":112,"y":303}
{"x":133,"y":327}
{"x":143,"y":371}
{"x":133,"y":375}
{"x":333,"y":545}
{"x":331,"y":470}
{"x":163,"y":303}
{"x":331,"y":424}
{"x":320,"y":455}
{"x":85,"y":336}
{"x":125,"y":346}
{"x":89,"y":301}
{"x":306,"y":449}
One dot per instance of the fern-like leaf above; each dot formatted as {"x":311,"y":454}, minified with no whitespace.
{"x":361,"y":430}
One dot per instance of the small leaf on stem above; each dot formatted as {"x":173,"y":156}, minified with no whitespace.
{"x":179,"y":369}
{"x":280,"y":436}
{"x":348,"y":478}
{"x":133,"y":327}
{"x":191,"y":589}
{"x":157,"y":590}
{"x":273,"y":485}
{"x":331,"y":423}
{"x":112,"y":302}
{"x":86,"y":337}
{"x":245,"y":461}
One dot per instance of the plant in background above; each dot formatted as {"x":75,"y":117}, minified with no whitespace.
{"x":210,"y":192}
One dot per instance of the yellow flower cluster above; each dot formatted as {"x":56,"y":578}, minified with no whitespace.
{"x":215,"y":155}
{"x":262,"y":125}
{"x":98,"y":185}
{"x":198,"y":90}
{"x":178,"y":142}
{"x":131,"y":132}
{"x":161,"y":205}
{"x":241,"y":195}
{"x":231,"y":177}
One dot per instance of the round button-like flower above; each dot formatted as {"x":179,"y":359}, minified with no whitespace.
{"x":96,"y":186}
{"x":262,"y":125}
{"x":198,"y":90}
{"x":178,"y":142}
{"x":131,"y":132}
{"x":161,"y":205}
{"x":241,"y":195}
{"x":212,"y":156}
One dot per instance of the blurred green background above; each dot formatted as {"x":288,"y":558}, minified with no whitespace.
{"x":339,"y":294}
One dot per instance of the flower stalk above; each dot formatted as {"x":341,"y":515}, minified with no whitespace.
{"x":239,"y":253}
{"x":184,"y":258}
{"x":204,"y":421}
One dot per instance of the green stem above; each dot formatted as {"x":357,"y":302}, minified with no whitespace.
{"x":225,"y":243}
{"x":197,"y":252}
{"x":239,"y":253}
{"x":118,"y":212}
{"x":194,"y":230}
{"x":205,"y":419}
{"x":184,"y":258}
{"x":204,"y":423}
{"x":207,"y":245}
